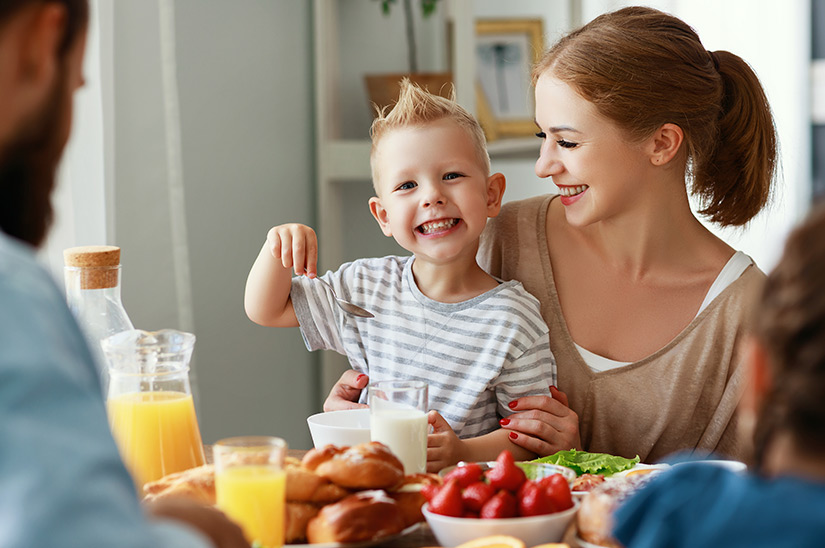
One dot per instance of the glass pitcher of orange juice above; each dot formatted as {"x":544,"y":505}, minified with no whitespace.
{"x":151,"y":411}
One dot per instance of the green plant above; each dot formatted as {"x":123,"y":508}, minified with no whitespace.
{"x":427,"y":9}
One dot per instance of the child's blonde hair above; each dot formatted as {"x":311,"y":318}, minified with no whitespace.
{"x":416,"y":107}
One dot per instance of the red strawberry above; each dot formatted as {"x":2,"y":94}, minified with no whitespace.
{"x":501,"y":505}
{"x":447,"y":501}
{"x":534,"y":500}
{"x":476,"y":494}
{"x":470,"y":514}
{"x":429,"y":490}
{"x":505,"y":474}
{"x":465,"y":474}
{"x":558,"y":490}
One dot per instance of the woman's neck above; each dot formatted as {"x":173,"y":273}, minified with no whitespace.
{"x":659,"y":229}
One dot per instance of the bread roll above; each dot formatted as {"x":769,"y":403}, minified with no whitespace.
{"x":196,"y":483}
{"x":303,"y":485}
{"x":296,"y":519}
{"x":360,"y":517}
{"x":407,"y":495}
{"x":366,"y":466}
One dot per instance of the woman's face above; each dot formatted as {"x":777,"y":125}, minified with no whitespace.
{"x":599,"y":171}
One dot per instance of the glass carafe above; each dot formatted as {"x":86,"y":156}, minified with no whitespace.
{"x":92,"y":278}
{"x":151,"y":411}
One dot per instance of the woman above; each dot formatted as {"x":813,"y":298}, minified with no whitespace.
{"x":645,"y":305}
{"x":785,"y":400}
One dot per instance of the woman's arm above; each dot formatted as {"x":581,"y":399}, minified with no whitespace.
{"x":345,"y":393}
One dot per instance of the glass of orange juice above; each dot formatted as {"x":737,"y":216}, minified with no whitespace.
{"x":151,"y":411}
{"x":250,"y":485}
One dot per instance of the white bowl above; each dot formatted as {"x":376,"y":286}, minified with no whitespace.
{"x":732,"y":465}
{"x":340,"y":428}
{"x":532,"y":530}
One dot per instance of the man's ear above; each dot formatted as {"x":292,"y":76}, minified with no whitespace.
{"x":665,"y":143}
{"x":759,"y":375}
{"x":496,"y":184}
{"x":380,"y":215}
{"x":39,"y":50}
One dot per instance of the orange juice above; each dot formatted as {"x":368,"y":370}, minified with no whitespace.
{"x":253,"y":496}
{"x":156,"y":432}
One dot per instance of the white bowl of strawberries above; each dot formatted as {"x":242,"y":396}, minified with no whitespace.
{"x":474,"y":502}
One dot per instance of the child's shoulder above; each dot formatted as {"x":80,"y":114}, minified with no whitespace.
{"x":374,"y":268}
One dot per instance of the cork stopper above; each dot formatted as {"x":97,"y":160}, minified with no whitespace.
{"x":99,"y":264}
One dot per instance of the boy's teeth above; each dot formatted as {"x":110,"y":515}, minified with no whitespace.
{"x":572,"y":190}
{"x":428,"y":228}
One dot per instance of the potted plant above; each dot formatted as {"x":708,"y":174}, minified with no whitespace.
{"x":383,"y":88}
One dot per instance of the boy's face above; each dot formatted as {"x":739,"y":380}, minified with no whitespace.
{"x":434,"y":195}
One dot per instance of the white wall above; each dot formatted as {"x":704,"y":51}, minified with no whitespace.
{"x":243,"y":76}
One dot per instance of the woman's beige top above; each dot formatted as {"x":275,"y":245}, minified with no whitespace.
{"x":681,"y":397}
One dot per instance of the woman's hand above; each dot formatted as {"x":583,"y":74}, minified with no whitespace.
{"x":210,"y":521}
{"x":443,"y":446}
{"x":543,"y":425}
{"x":345,"y":393}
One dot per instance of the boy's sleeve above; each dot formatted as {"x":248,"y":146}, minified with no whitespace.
{"x":530,"y":374}
{"x":319,"y":318}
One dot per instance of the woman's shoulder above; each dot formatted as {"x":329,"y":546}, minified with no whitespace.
{"x":516,"y":208}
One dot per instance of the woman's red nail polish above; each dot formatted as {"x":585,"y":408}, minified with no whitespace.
{"x":513,"y":436}
{"x":553,"y":387}
{"x":359,"y":377}
{"x":504,"y":422}
{"x":512,"y":404}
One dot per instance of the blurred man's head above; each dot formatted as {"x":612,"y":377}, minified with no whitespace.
{"x":41,"y":56}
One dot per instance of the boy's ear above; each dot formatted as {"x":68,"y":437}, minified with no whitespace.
{"x":495,"y":193}
{"x":380,"y":215}
{"x":665,"y":143}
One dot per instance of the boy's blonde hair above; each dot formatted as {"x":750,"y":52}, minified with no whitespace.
{"x":416,"y":107}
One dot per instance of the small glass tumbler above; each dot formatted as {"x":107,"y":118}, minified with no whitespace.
{"x":250,"y":486}
{"x":398,"y":419}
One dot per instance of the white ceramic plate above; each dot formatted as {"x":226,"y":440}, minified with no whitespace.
{"x":585,"y":544}
{"x":363,"y":544}
{"x":641,"y":466}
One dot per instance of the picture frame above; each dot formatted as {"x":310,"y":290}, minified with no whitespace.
{"x":506,"y":50}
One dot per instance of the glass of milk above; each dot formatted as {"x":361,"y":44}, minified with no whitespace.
{"x":398,"y":419}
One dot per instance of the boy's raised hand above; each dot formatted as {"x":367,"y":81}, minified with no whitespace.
{"x":296,"y":246}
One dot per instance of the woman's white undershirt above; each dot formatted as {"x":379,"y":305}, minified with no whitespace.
{"x":734,"y":268}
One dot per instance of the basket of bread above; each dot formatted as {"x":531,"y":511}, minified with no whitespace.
{"x":333,"y":494}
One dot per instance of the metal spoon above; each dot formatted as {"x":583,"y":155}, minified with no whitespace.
{"x":347,"y":306}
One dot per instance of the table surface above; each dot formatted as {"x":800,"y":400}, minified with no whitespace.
{"x":420,"y":538}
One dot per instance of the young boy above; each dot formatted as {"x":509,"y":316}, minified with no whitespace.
{"x":477,"y":342}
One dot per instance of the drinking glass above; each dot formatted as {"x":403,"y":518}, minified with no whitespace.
{"x":398,"y":419}
{"x":250,"y":486}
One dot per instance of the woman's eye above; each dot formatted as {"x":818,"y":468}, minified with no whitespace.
{"x":451,"y":176}
{"x":566,"y":144}
{"x":541,"y":135}
{"x":406,"y":186}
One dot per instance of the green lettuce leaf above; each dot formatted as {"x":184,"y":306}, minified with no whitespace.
{"x":583,"y":462}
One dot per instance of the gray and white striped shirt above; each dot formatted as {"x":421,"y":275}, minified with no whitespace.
{"x":476,"y":355}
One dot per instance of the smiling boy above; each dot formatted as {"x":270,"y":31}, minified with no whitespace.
{"x":479,"y":343}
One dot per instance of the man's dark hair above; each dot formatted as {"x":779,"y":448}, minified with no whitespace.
{"x":29,"y":160}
